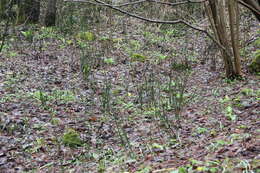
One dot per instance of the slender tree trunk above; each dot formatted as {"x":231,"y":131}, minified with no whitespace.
{"x":228,"y":37}
{"x":218,"y":14}
{"x":213,"y":27}
{"x":3,"y":4}
{"x":50,"y":17}
{"x":234,"y":32}
{"x":28,"y":11}
{"x":35,"y":11}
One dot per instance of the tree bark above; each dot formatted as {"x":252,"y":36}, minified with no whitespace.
{"x":50,"y":17}
{"x":234,"y":33}
{"x":218,"y":14}
{"x":3,"y":4}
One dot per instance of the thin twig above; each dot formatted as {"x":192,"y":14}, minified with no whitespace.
{"x":176,"y":3}
{"x":142,"y":1}
{"x":119,"y":5}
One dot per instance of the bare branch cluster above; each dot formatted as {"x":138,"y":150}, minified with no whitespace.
{"x":142,"y":1}
{"x":178,"y":21}
{"x":118,"y":7}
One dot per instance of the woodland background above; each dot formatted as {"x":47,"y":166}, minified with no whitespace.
{"x":129,"y":86}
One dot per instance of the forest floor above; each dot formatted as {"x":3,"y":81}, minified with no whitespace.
{"x":127,"y":109}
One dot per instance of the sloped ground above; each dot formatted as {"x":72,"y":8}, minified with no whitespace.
{"x":43,"y":95}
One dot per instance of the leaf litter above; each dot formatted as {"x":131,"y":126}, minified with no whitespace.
{"x":33,"y":117}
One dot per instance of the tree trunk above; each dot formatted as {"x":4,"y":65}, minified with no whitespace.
{"x":218,"y":14}
{"x":3,"y":4}
{"x":50,"y":17}
{"x":35,"y":11}
{"x":234,"y":32}
{"x":28,"y":11}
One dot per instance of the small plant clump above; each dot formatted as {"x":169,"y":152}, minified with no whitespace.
{"x":138,"y":57}
{"x":88,"y":36}
{"x":109,"y":61}
{"x":254,"y":67}
{"x":71,"y":138}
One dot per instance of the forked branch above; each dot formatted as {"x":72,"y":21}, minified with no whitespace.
{"x":178,"y":21}
{"x":142,"y":1}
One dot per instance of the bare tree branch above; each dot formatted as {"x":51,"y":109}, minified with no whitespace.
{"x":176,"y":3}
{"x":179,"y":21}
{"x":142,"y":1}
{"x":249,"y":7}
{"x":119,"y":5}
{"x":131,"y":3}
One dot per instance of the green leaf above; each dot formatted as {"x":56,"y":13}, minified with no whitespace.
{"x":109,"y":61}
{"x":182,"y":170}
{"x":158,"y":146}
